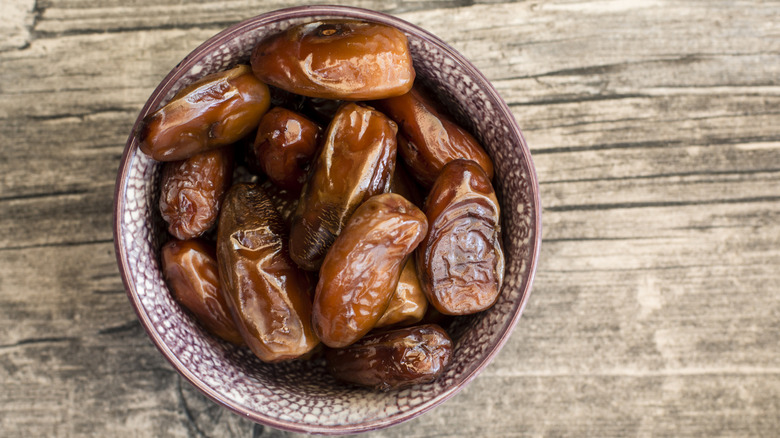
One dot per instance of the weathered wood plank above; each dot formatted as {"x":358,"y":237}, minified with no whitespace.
{"x":656,"y":135}
{"x":18,"y":21}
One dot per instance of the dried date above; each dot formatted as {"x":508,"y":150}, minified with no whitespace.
{"x":360,"y":273}
{"x":428,"y":138}
{"x":268,"y":296}
{"x":190,"y":268}
{"x":285,"y":145}
{"x":408,"y":304}
{"x":356,"y":161}
{"x":215,"y":111}
{"x":461,"y":262}
{"x":192,"y":190}
{"x":337,"y":59}
{"x":394,"y":359}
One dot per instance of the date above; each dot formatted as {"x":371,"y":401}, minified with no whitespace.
{"x":360,"y":273}
{"x":428,"y":138}
{"x":408,"y":304}
{"x":190,"y":268}
{"x":337,"y":59}
{"x":285,"y":145}
{"x":268,"y":296}
{"x":192,"y":190}
{"x":393,"y":359}
{"x":356,"y":161}
{"x":461,"y":262}
{"x":215,"y":111}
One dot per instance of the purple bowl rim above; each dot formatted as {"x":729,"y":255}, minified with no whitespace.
{"x":300,"y":12}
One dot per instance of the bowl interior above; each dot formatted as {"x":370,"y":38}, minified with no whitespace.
{"x":302,"y":396}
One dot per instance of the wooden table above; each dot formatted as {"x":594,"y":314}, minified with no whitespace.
{"x":655,"y":128}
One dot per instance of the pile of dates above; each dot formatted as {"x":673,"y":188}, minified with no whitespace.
{"x":326,"y":240}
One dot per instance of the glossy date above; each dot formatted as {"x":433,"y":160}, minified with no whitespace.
{"x":285,"y":145}
{"x":394,"y":359}
{"x":337,"y":59}
{"x":355,"y":162}
{"x":192,"y":190}
{"x":190,"y":268}
{"x":408,"y":304}
{"x":428,"y":138}
{"x":268,"y":296}
{"x":215,"y":111}
{"x":461,"y":262}
{"x":360,"y":273}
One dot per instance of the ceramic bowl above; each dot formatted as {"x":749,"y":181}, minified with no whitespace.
{"x":302,"y":396}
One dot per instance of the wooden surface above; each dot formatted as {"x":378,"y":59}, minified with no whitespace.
{"x":655,"y":128}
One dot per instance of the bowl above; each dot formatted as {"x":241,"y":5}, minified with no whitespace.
{"x":302,"y":396}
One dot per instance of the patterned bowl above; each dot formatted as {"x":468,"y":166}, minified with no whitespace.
{"x":302,"y":396}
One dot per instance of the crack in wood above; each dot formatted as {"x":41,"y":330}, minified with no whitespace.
{"x":257,"y":430}
{"x":600,"y":239}
{"x":579,"y":99}
{"x":129,"y":326}
{"x":81,"y":116}
{"x":711,"y":141}
{"x":32,"y":341}
{"x":108,"y":291}
{"x":56,"y":245}
{"x":661,"y":204}
{"x":187,"y":412}
{"x":664,"y":175}
{"x":43,"y":195}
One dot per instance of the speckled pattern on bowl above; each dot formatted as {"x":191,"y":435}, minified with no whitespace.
{"x":302,"y":396}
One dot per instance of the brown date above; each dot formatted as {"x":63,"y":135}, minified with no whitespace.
{"x":192,"y":190}
{"x":337,"y":59}
{"x":215,"y":111}
{"x":408,"y":304}
{"x":190,"y":268}
{"x":461,"y":263}
{"x":360,"y":273}
{"x":268,"y":296}
{"x":393,"y":359}
{"x":285,"y":145}
{"x":355,"y":162}
{"x":428,"y":138}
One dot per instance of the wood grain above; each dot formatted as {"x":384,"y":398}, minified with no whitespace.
{"x":655,"y":129}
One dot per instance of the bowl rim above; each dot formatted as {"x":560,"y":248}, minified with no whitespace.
{"x":182,"y":68}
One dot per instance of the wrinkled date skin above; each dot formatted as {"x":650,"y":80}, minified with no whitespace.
{"x":190,"y":268}
{"x":356,"y":161}
{"x":285,"y":144}
{"x":428,"y":138}
{"x":360,"y":273}
{"x":408,"y":304}
{"x":215,"y":111}
{"x":461,"y":263}
{"x":337,"y":59}
{"x":192,"y":190}
{"x":268,"y":296}
{"x":393,"y":359}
